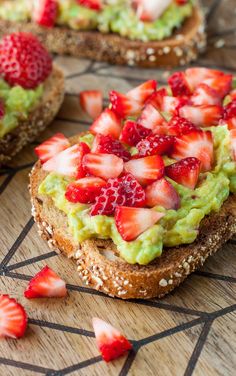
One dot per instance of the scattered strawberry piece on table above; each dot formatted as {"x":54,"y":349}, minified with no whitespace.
{"x":91,"y":102}
{"x":13,"y":318}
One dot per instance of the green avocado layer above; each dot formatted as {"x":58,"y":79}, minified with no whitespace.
{"x":175,"y":228}
{"x":117,"y":17}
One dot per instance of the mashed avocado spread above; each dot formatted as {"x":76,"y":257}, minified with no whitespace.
{"x":18,"y":103}
{"x":175,"y":228}
{"x":116,"y":16}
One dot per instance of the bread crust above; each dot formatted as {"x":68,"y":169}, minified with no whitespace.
{"x":180,"y":49}
{"x":99,"y":264}
{"x":38,"y":119}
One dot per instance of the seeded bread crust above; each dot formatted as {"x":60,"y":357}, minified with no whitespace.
{"x":38,"y":119}
{"x":180,"y":49}
{"x":98,"y":261}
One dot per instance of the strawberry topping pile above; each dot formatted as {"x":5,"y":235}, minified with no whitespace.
{"x":145,"y":142}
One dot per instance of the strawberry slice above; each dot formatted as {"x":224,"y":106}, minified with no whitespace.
{"x":123,"y":105}
{"x":91,"y":102}
{"x":222,"y":84}
{"x":230,"y":123}
{"x":84,"y":190}
{"x":142,"y":92}
{"x":230,"y":110}
{"x":178,"y":126}
{"x":198,"y":144}
{"x":149,"y":11}
{"x":162,"y":193}
{"x":108,"y":145}
{"x":68,"y":162}
{"x":155,"y":145}
{"x":132,"y":222}
{"x":46,"y":284}
{"x":185,"y":172}
{"x":233,"y":143}
{"x":107,"y":124}
{"x":91,"y":4}
{"x":179,"y":84}
{"x":133,"y":132}
{"x":233,"y":94}
{"x":146,"y":170}
{"x":51,"y":147}
{"x":13,"y":318}
{"x":204,"y":115}
{"x":111,"y":343}
{"x":205,"y":95}
{"x":45,"y":12}
{"x":197,"y":75}
{"x":156,"y":99}
{"x":152,"y":119}
{"x":166,"y":103}
{"x":105,"y":166}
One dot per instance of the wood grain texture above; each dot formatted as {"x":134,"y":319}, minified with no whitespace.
{"x":189,"y":332}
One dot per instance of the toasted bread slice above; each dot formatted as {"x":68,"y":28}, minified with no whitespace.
{"x":98,"y":261}
{"x":181,"y":48}
{"x":38,"y":119}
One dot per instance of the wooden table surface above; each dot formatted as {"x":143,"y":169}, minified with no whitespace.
{"x":190,"y":332}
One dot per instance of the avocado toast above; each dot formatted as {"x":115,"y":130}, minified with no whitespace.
{"x":143,"y":33}
{"x":148,"y":194}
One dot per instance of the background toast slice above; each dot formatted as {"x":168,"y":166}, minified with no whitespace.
{"x":98,"y":261}
{"x":181,"y":48}
{"x":38,"y":119}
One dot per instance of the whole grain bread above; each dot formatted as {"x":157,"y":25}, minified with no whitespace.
{"x":180,"y":49}
{"x":38,"y":119}
{"x":98,"y":261}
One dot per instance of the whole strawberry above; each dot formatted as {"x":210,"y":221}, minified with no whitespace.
{"x":23,"y":60}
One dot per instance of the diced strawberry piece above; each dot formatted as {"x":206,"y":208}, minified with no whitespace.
{"x":108,"y":145}
{"x":233,"y":94}
{"x":51,"y":147}
{"x":2,"y":109}
{"x":152,"y":119}
{"x":156,"y":99}
{"x":69,"y":161}
{"x":107,"y":124}
{"x":222,"y":84}
{"x":111,"y":343}
{"x":105,"y":166}
{"x":205,"y":115}
{"x":123,"y":105}
{"x":230,"y":110}
{"x":91,"y":102}
{"x":91,"y":4}
{"x":84,"y":190}
{"x":132,"y":222}
{"x":181,"y":2}
{"x":155,"y":145}
{"x":179,"y":85}
{"x":185,"y":172}
{"x":46,"y":284}
{"x":166,"y":103}
{"x":178,"y":126}
{"x":149,"y":11}
{"x":233,"y":142}
{"x":197,"y":75}
{"x":146,"y":170}
{"x":45,"y":12}
{"x":230,"y":123}
{"x":13,"y":318}
{"x":122,"y":191}
{"x":142,"y":92}
{"x":162,"y":193}
{"x":198,"y":144}
{"x":205,"y":95}
{"x":132,"y":133}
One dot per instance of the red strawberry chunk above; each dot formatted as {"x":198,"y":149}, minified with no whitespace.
{"x":45,"y":12}
{"x":69,"y":161}
{"x":105,"y":166}
{"x":233,"y":94}
{"x":230,"y":110}
{"x":51,"y":147}
{"x":146,"y":170}
{"x":155,"y":145}
{"x":205,"y":95}
{"x":185,"y":172}
{"x":156,"y":99}
{"x":152,"y":119}
{"x":107,"y":124}
{"x":198,"y":144}
{"x":204,"y":115}
{"x":165,"y":103}
{"x":133,"y":132}
{"x":149,"y":11}
{"x":108,"y":145}
{"x":13,"y":318}
{"x":2,"y":109}
{"x":181,"y":2}
{"x":197,"y":75}
{"x":179,"y":84}
{"x":84,"y":190}
{"x":123,"y":105}
{"x":91,"y":102}
{"x":132,"y":222}
{"x":134,"y":193}
{"x":162,"y":193}
{"x":91,"y":4}
{"x":111,"y":343}
{"x":46,"y":284}
{"x":142,"y":92}
{"x":233,"y":143}
{"x":178,"y":126}
{"x":230,"y":123}
{"x":23,"y":60}
{"x":222,"y":84}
